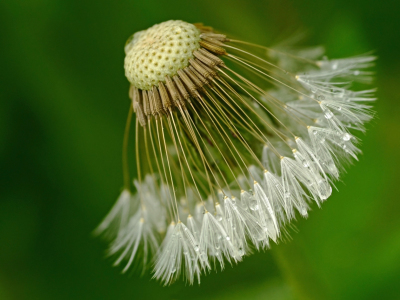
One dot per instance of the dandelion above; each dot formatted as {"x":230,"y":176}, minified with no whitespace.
{"x":233,"y":142}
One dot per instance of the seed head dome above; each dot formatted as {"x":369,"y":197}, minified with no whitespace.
{"x":159,"y":51}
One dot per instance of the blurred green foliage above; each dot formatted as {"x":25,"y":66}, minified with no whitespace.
{"x":64,"y":101}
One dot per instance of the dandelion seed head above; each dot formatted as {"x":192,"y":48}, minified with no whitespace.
{"x":227,"y":157}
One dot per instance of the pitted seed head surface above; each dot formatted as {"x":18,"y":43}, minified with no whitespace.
{"x":159,"y":51}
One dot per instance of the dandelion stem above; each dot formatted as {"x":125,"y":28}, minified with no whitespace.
{"x":299,"y":273}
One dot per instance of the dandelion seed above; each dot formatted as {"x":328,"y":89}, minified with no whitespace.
{"x":117,"y":218}
{"x":180,"y":247}
{"x":215,"y":241}
{"x":226,"y":162}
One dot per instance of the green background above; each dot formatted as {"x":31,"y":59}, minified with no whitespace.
{"x":64,"y":101}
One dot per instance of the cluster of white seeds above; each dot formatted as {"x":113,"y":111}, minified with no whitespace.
{"x":229,"y":163}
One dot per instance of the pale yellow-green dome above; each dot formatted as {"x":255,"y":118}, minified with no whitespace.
{"x":159,"y":51}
